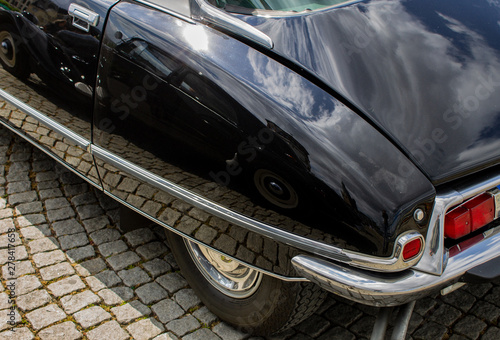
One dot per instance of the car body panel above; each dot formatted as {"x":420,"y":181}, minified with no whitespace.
{"x":173,"y":99}
{"x":426,"y":73}
{"x":63,"y":59}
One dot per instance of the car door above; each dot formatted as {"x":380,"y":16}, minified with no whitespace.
{"x":49,"y":56}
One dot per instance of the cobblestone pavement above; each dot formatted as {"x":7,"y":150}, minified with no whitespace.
{"x":75,"y":274}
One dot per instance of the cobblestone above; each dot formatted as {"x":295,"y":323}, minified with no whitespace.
{"x":110,"y":330}
{"x":79,"y":254}
{"x":33,"y":233}
{"x":27,"y":284}
{"x":66,"y":330}
{"x":172,"y":282}
{"x":20,"y":333}
{"x":122,"y":261}
{"x":43,"y":244}
{"x":20,"y":253}
{"x":470,"y":326}
{"x":116,"y":295}
{"x":187,"y":299}
{"x":33,"y":300}
{"x":202,"y":334}
{"x":91,"y":267}
{"x":205,"y":315}
{"x":96,"y":223}
{"x":91,"y":316}
{"x":157,"y":267}
{"x":145,"y":329}
{"x":184,"y":325}
{"x":66,"y":286}
{"x":56,"y":271}
{"x":445,"y":315}
{"x":130,"y":311}
{"x":95,"y":286}
{"x":20,"y":268}
{"x":45,"y":316}
{"x":104,"y":236}
{"x":67,"y":227}
{"x":167,"y":310}
{"x":151,"y":250}
{"x":73,"y":303}
{"x":105,"y":279}
{"x":60,"y":214}
{"x":134,"y":277}
{"x":73,"y":241}
{"x":112,"y":248}
{"x":48,"y":258}
{"x":151,"y":292}
{"x":139,"y":236}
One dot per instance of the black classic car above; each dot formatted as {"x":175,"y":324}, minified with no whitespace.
{"x":289,"y":148}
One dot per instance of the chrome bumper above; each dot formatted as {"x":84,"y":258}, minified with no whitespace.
{"x":392,"y":289}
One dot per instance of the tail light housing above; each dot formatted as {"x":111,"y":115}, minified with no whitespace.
{"x":412,"y":249}
{"x":470,"y":216}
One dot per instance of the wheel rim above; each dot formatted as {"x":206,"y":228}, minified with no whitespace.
{"x":7,"y":49}
{"x":230,"y":277}
{"x":276,"y":189}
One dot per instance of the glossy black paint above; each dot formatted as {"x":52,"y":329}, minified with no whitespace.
{"x":62,"y":56}
{"x":425,"y":72}
{"x":204,"y":110}
{"x":62,"y":60}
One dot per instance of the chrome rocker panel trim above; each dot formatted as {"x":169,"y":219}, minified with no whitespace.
{"x":35,"y":114}
{"x":392,"y":289}
{"x":189,"y":238}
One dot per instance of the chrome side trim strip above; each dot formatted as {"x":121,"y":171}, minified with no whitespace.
{"x":166,"y":10}
{"x":219,"y":211}
{"x":398,"y":288}
{"x":435,"y":257}
{"x":58,"y":128}
{"x":211,"y":15}
{"x":283,"y":278}
{"x":390,"y":264}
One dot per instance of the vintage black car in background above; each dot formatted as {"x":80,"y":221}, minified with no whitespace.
{"x":284,"y":145}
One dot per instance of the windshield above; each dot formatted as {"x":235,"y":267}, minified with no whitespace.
{"x":275,"y":5}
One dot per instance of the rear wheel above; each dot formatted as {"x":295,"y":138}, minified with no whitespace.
{"x":249,"y":300}
{"x":13,"y":56}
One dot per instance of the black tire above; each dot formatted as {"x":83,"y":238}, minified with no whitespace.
{"x":13,"y":56}
{"x":273,"y":307}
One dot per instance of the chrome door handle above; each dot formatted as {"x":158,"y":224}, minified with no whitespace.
{"x":83,"y":18}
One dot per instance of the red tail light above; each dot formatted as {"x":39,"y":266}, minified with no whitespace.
{"x":482,"y":210}
{"x":412,"y":249}
{"x":470,"y":216}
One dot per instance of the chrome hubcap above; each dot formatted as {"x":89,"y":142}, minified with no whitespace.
{"x":229,"y":276}
{"x":276,"y":189}
{"x":7,"y":49}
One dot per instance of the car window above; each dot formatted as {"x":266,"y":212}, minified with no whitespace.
{"x":276,"y":5}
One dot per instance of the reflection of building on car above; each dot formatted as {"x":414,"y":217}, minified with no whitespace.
{"x":270,"y":143}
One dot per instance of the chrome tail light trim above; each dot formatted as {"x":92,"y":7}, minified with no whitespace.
{"x":435,"y":257}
